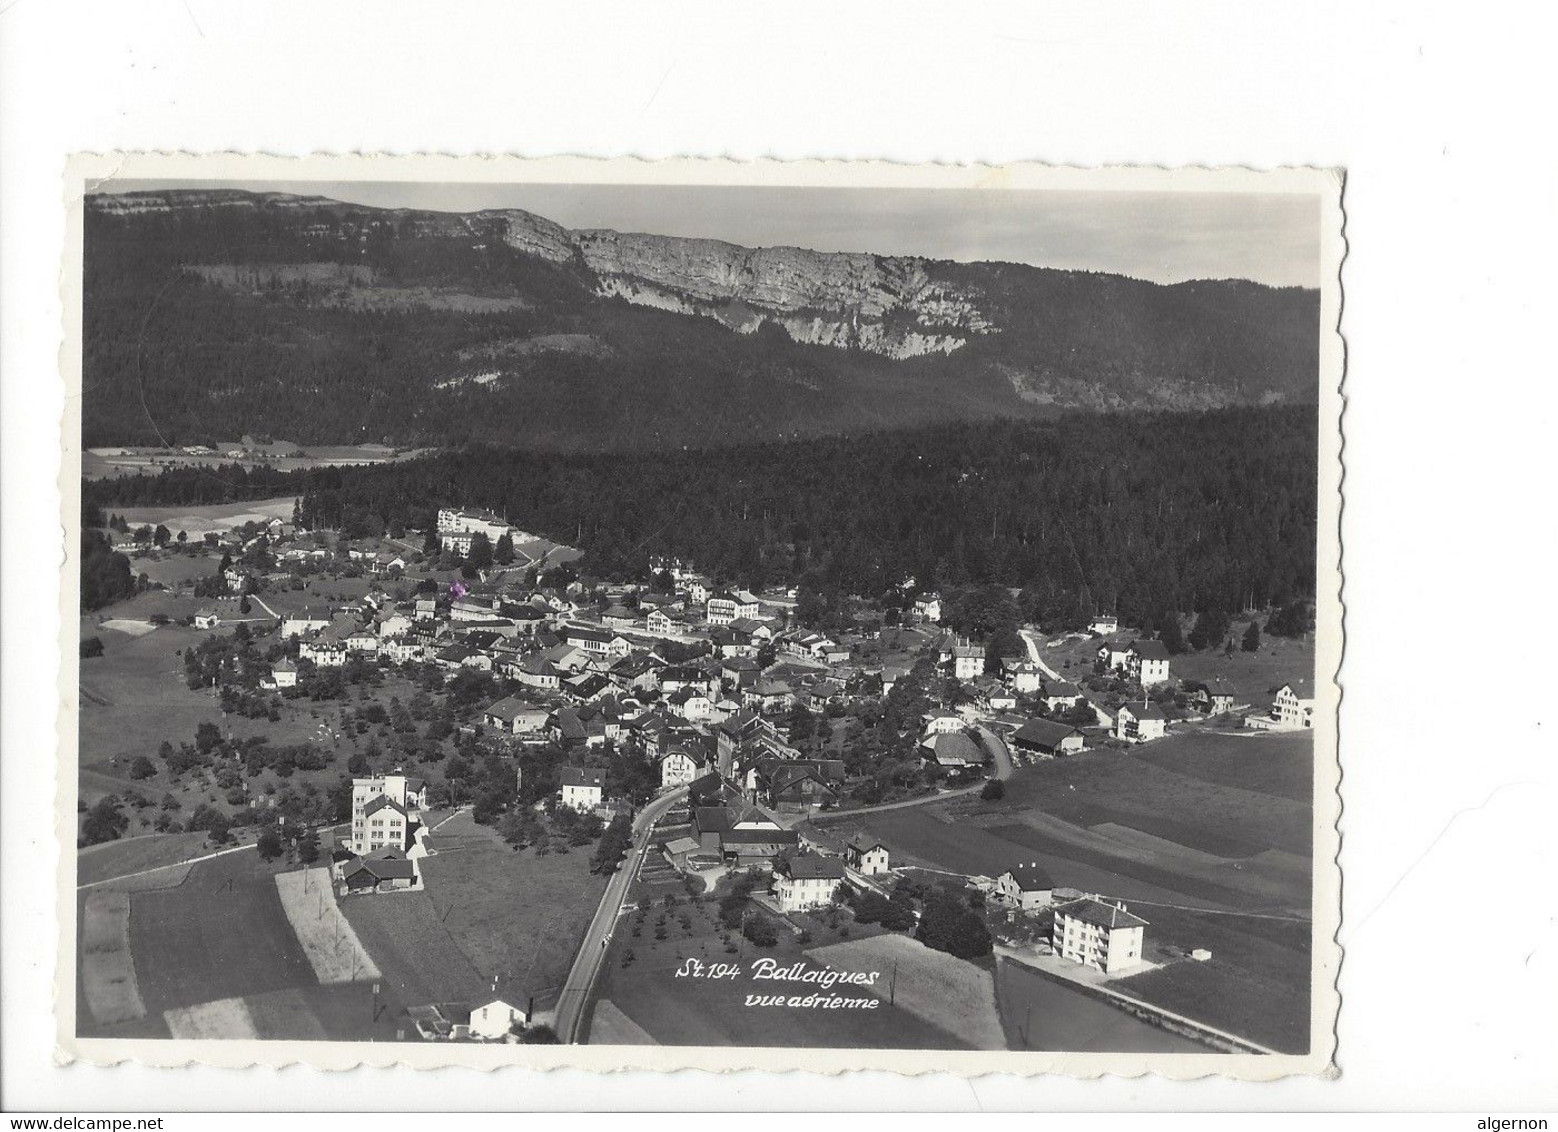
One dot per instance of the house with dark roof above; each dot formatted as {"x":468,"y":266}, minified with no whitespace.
{"x":1026,"y":885}
{"x":1099,"y":934}
{"x":866,"y":855}
{"x":1058,"y":694}
{"x":681,"y":764}
{"x":1140,"y":722}
{"x":957,"y":753}
{"x":1046,"y":739}
{"x":807,"y":880}
{"x":799,"y":785}
{"x":514,"y":716}
{"x":583,"y":788}
{"x":745,"y":848}
{"x":1211,"y":697}
{"x":1147,"y":663}
{"x":567,"y":728}
{"x":383,"y":870}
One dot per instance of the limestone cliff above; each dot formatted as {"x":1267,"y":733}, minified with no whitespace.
{"x":886,"y":305}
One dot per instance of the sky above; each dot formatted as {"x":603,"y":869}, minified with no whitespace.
{"x":1164,"y":237}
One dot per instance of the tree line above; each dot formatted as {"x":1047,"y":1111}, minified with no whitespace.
{"x":1129,"y":512}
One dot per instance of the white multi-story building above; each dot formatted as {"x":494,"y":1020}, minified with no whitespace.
{"x":927,"y":607}
{"x":384,"y":808}
{"x":1291,"y":710}
{"x":1098,"y":934}
{"x":807,"y":881}
{"x":724,"y":608}
{"x":968,"y":660}
{"x":457,"y":526}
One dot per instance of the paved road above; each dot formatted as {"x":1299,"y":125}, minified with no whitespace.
{"x":923,"y":800}
{"x":998,"y":749}
{"x":592,"y":950}
{"x":1030,"y":638}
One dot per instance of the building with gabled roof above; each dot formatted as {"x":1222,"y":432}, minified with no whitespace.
{"x":1147,"y":663}
{"x":806,"y":880}
{"x":1099,"y":934}
{"x":515,"y":716}
{"x":1044,"y":738}
{"x":1140,"y":722}
{"x":1026,"y":885}
{"x":583,"y":788}
{"x":866,"y":855}
{"x":386,"y":812}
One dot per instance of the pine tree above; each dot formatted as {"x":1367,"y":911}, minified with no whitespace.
{"x":1252,"y":637}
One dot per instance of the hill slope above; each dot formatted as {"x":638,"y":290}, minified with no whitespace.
{"x":215,"y":312}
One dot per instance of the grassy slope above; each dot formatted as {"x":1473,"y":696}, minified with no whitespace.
{"x":513,"y":914}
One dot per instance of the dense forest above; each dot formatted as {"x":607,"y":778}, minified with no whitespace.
{"x":325,"y":323}
{"x":1136,"y":512}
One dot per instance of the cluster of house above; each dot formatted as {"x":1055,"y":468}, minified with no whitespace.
{"x":1086,"y":929}
{"x":743,"y":836}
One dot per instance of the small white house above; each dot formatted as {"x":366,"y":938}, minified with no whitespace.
{"x":496,"y":1018}
{"x":866,"y":856}
{"x":1139,"y":723}
{"x":284,"y":674}
{"x":1026,"y":886}
{"x":582,"y":787}
{"x":207,"y":619}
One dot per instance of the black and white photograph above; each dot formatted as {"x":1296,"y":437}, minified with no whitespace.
{"x":811,"y":616}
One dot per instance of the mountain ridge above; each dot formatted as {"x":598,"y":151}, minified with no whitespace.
{"x":967,"y":339}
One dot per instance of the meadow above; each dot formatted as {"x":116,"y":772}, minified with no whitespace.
{"x":1203,"y":834}
{"x":514,"y":914}
{"x":208,"y":951}
{"x":646,"y":991}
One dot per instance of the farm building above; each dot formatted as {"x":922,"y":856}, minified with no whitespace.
{"x":383,"y":870}
{"x":1044,"y":738}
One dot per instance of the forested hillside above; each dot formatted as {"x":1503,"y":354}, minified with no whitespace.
{"x":211,"y":315}
{"x":1133,"y":511}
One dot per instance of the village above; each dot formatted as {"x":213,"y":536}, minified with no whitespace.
{"x":708,"y":736}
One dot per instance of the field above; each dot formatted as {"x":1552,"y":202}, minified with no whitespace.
{"x":210,"y":953}
{"x":134,"y":696}
{"x":211,"y":518}
{"x":700,"y":1011}
{"x":1252,"y":676}
{"x":935,"y":987}
{"x":132,"y":855}
{"x":108,"y":981}
{"x":326,"y":937}
{"x":1255,"y":985}
{"x":1042,"y":1014}
{"x":515,"y":915}
{"x":1196,"y":821}
{"x":420,"y":960}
